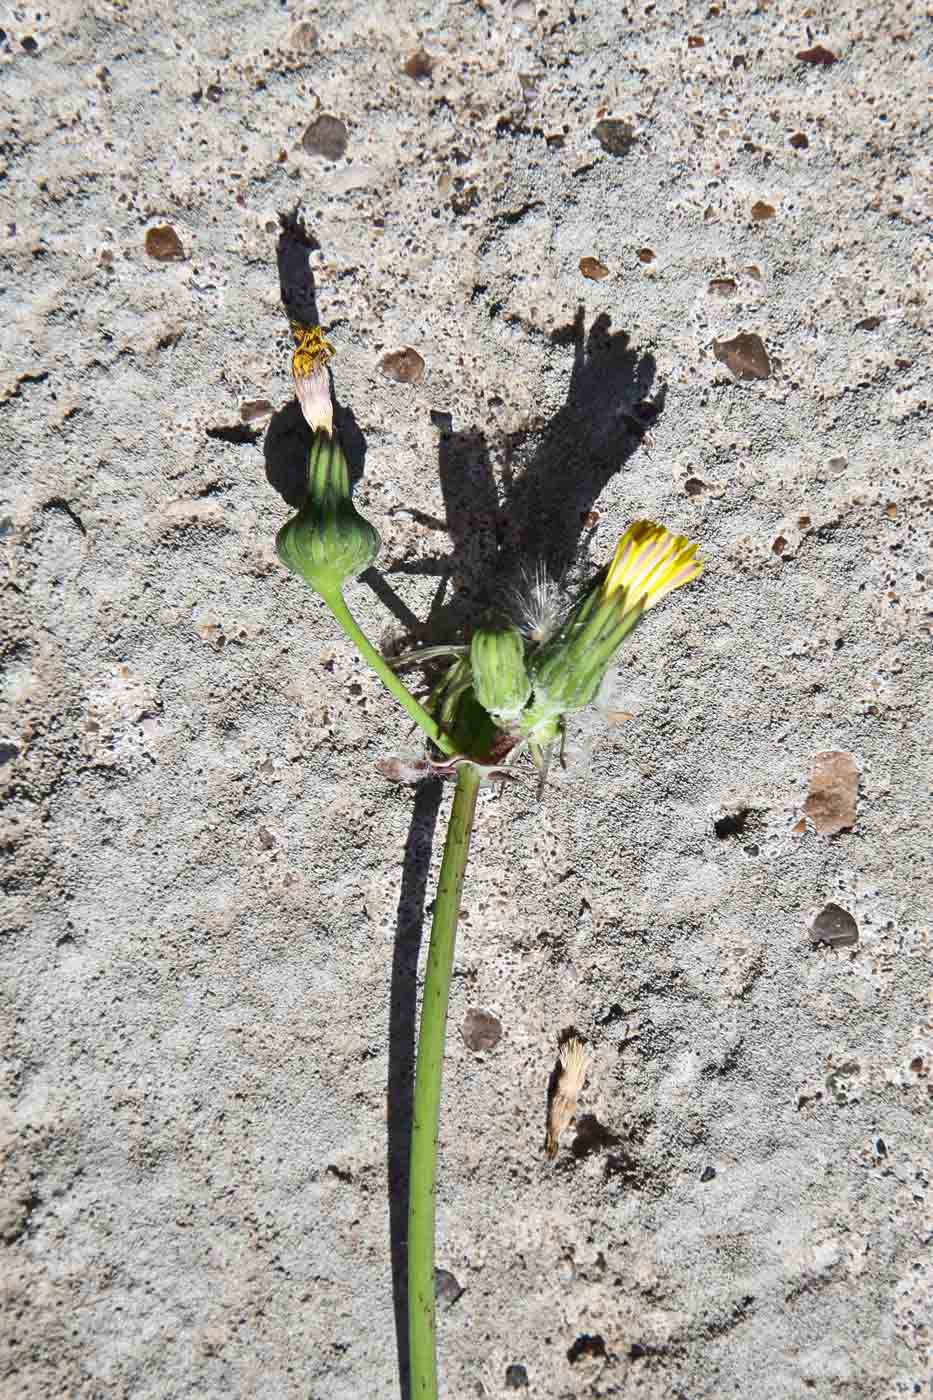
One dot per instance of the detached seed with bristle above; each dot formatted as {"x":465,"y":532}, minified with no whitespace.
{"x":575,"y":1060}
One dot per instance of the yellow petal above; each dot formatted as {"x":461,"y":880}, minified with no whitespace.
{"x":650,"y":562}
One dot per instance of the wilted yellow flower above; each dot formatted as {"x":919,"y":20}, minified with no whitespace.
{"x":309,"y":371}
{"x":649,"y":563}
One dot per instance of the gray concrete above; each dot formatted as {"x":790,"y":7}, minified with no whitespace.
{"x":213,"y":900}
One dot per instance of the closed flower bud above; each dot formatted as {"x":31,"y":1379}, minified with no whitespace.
{"x":328,"y":541}
{"x":497,"y":660}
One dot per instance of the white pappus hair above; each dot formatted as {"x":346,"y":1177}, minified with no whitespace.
{"x":536,"y":602}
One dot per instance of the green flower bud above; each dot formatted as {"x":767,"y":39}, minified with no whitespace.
{"x":460,"y":715}
{"x":497,"y":660}
{"x":328,"y":541}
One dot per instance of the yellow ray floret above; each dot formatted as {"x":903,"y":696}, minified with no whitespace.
{"x":650,"y":562}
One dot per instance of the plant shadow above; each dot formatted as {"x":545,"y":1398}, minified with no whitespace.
{"x":607,"y":415}
{"x":551,"y":474}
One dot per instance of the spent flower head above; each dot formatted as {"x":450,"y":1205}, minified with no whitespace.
{"x":312,"y":380}
{"x":575,"y":1061}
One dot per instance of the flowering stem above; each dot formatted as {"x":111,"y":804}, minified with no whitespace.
{"x":335,"y":601}
{"x":422,"y":1347}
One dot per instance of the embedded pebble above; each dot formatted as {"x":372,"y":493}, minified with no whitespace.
{"x":614,"y":135}
{"x":516,"y":1377}
{"x":745,"y":355}
{"x":404,"y":366}
{"x":447,"y":1288}
{"x":833,"y":792}
{"x":835,"y":926}
{"x":593,"y":269}
{"x":481,"y":1030}
{"x":326,"y":136}
{"x":818,"y":55}
{"x":419,"y":66}
{"x":163,"y":244}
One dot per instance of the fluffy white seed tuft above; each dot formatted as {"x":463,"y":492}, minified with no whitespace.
{"x":536,"y":603}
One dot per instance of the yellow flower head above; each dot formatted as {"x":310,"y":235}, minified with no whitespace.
{"x":649,"y":563}
{"x":309,"y":371}
{"x":567,"y":669}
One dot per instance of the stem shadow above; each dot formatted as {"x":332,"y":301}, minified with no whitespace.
{"x":403,"y":1004}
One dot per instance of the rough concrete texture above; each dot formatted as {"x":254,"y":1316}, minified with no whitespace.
{"x":214,"y":901}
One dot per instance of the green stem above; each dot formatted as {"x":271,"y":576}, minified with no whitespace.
{"x":422,"y":1347}
{"x":390,"y":680}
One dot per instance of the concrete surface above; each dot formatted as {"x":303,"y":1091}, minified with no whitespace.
{"x":213,"y":901}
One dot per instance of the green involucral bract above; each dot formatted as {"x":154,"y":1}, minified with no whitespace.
{"x":567,"y":671}
{"x":460,"y":715}
{"x":500,"y":680}
{"x":328,"y":541}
